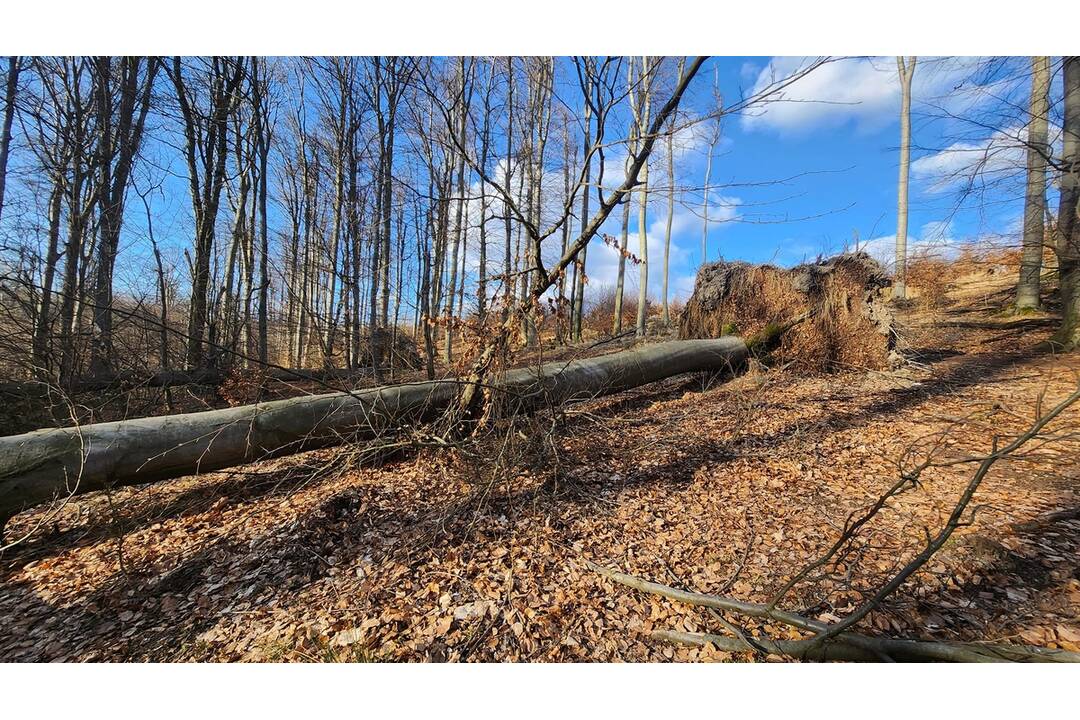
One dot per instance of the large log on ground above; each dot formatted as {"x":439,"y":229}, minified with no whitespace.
{"x":45,"y":465}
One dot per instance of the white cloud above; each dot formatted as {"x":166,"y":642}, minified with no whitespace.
{"x":997,"y":157}
{"x":935,"y":238}
{"x":830,"y":95}
{"x":860,"y":91}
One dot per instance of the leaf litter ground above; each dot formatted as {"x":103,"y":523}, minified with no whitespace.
{"x":725,"y":489}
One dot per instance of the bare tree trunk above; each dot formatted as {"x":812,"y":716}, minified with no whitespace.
{"x":485,"y":146}
{"x":387,"y":209}
{"x":671,"y":209}
{"x":633,"y":95}
{"x":72,"y":286}
{"x":1068,"y":224}
{"x":451,"y":289}
{"x":643,"y":201}
{"x":163,"y":301}
{"x":541,"y":81}
{"x":1027,"y":289}
{"x":666,"y":312}
{"x":708,"y":171}
{"x":11,"y":88}
{"x":620,"y":279}
{"x":580,"y":259}
{"x":560,"y":300}
{"x":118,"y":148}
{"x":463,"y":101}
{"x":906,"y":70}
{"x":262,"y":141}
{"x":40,"y":350}
{"x":508,"y":281}
{"x":206,"y":145}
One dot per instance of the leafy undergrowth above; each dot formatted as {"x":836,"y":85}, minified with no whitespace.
{"x":728,"y":489}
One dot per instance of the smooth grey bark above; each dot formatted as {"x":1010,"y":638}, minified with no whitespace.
{"x":620,"y":278}
{"x":666,"y":311}
{"x":579,"y":263}
{"x":624,"y":236}
{"x":1027,"y":288}
{"x":708,"y":170}
{"x":561,"y":304}
{"x":464,"y":96}
{"x":671,"y":210}
{"x":1068,"y":225}
{"x":76,"y":109}
{"x":53,"y":464}
{"x":906,"y":70}
{"x":541,"y":82}
{"x":643,"y":198}
{"x":163,"y":296}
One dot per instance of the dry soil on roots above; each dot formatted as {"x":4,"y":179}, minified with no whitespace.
{"x":717,"y":489}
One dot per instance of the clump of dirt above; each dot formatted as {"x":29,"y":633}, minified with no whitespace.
{"x":852,"y":324}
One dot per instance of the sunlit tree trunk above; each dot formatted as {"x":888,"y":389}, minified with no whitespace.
{"x":714,"y":138}
{"x":508,"y":259}
{"x":582,"y":257}
{"x":643,"y":200}
{"x":905,"y":69}
{"x":620,"y":278}
{"x":1068,"y":224}
{"x":1027,"y":289}
{"x":459,"y":205}
{"x":485,"y":147}
{"x":671,"y":210}
{"x":633,"y":96}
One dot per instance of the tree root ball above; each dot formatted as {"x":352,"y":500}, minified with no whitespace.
{"x":852,"y":324}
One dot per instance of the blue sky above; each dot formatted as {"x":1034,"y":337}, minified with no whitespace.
{"x":836,"y":139}
{"x":791,"y":180}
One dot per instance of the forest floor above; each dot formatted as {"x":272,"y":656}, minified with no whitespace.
{"x":725,"y":489}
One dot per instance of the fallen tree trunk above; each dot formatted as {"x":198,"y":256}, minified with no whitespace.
{"x":47,"y":465}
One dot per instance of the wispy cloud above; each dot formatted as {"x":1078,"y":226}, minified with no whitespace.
{"x":862,"y":92}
